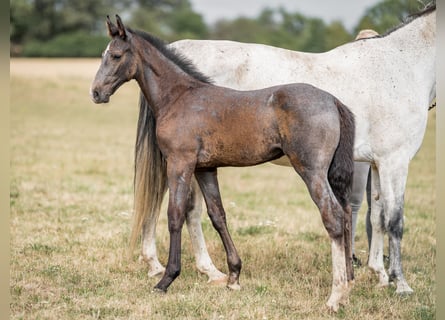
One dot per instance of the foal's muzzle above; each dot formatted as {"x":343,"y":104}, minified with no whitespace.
{"x":99,"y":97}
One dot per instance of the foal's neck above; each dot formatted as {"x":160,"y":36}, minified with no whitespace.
{"x":161,"y":80}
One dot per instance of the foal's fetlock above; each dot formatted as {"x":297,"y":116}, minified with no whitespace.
{"x":339,"y":296}
{"x":233,"y":282}
{"x":332,"y":306}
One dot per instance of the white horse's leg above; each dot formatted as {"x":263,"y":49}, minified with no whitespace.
{"x":203,"y":261}
{"x":149,"y":254}
{"x":393,"y":176}
{"x":360,"y":178}
{"x":375,"y":261}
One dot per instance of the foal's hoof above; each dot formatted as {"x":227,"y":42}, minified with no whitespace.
{"x":234,"y":286}
{"x":158,"y":291}
{"x":333,"y":307}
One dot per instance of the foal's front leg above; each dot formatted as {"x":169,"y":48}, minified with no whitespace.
{"x":193,"y":221}
{"x":209,"y":186}
{"x":179,"y":179}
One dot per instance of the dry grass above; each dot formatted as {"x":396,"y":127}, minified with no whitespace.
{"x":71,"y":204}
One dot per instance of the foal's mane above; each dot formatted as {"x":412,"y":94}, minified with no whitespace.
{"x":430,"y":7}
{"x":173,"y":55}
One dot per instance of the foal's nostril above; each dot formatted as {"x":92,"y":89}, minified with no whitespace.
{"x":95,"y":94}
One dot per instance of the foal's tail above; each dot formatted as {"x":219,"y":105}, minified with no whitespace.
{"x":150,"y":177}
{"x":340,"y":175}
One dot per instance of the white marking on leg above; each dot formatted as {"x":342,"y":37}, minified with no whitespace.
{"x":203,"y":261}
{"x":340,"y":290}
{"x":149,"y":254}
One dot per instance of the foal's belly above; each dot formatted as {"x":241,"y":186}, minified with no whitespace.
{"x":282,"y":161}
{"x":237,"y":155}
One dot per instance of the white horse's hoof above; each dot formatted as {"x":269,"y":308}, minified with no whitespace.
{"x":404,"y":289}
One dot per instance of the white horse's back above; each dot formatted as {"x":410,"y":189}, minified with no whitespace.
{"x":379,"y":79}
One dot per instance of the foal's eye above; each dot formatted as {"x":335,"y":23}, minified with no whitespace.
{"x":116,"y":56}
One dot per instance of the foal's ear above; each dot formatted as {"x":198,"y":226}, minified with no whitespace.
{"x":112,"y":29}
{"x":121,"y":28}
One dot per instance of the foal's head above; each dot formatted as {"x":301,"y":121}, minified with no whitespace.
{"x":119,"y":63}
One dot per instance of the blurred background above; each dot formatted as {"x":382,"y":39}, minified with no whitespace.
{"x":65,"y":28}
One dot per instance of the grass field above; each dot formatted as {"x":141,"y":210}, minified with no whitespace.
{"x":71,"y":205}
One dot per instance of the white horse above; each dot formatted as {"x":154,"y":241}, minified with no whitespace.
{"x":387,"y":81}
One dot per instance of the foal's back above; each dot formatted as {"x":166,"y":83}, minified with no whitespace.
{"x":243,"y":128}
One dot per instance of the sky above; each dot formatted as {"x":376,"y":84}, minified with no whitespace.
{"x":347,"y":11}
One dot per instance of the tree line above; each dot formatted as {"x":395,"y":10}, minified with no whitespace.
{"x":66,"y":28}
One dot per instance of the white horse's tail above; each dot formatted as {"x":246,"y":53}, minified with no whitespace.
{"x":150,"y":173}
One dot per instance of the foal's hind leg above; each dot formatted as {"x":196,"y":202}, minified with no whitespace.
{"x":333,"y":216}
{"x":203,"y":261}
{"x":209,"y":186}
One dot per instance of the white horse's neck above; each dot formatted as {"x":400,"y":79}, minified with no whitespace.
{"x":404,"y":60}
{"x":416,"y":42}
{"x":422,"y":30}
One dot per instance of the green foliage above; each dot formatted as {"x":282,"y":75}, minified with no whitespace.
{"x":77,"y":44}
{"x":388,"y":14}
{"x":282,"y":29}
{"x":254,"y":230}
{"x":38,"y":26}
{"x":71,"y":28}
{"x":19,"y":10}
{"x":169,"y":20}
